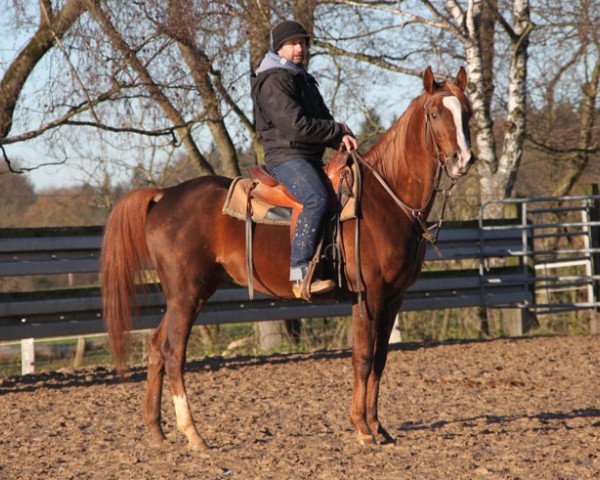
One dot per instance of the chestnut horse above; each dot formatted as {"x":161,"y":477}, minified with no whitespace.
{"x":194,"y":248}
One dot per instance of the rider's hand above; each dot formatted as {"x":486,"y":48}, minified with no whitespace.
{"x":349,"y":142}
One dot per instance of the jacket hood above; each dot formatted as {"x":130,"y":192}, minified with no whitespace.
{"x":272,"y":60}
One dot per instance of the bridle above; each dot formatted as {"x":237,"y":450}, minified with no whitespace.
{"x":418,"y":215}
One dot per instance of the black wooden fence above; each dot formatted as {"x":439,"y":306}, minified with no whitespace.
{"x":450,"y":281}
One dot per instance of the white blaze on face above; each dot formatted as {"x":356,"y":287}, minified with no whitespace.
{"x":453,"y":104}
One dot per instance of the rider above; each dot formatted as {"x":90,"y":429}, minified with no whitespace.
{"x":295,"y":126}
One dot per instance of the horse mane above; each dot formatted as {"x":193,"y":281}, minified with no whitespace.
{"x":391,"y":147}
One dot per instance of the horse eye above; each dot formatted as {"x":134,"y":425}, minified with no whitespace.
{"x":434,"y":115}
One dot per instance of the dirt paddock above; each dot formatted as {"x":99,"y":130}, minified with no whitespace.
{"x":525,"y":408}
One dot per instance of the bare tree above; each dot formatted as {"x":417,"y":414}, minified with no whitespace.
{"x":572,"y":32}
{"x":53,"y":25}
{"x":130,"y":55}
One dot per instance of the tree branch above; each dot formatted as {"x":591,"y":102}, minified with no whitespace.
{"x":373,"y":60}
{"x":42,"y":41}
{"x":60,"y":120}
{"x":24,"y":169}
{"x":562,"y":151}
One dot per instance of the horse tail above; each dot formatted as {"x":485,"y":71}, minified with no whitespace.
{"x":124,"y":253}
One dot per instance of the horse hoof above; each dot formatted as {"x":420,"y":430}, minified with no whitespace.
{"x":384,"y":439}
{"x":365,"y":440}
{"x":157,"y":437}
{"x":198,"y":446}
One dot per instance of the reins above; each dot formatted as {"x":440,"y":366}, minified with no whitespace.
{"x":416,"y":215}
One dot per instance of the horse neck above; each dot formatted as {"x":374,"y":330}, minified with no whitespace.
{"x":403,"y":160}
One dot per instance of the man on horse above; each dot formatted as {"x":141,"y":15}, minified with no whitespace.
{"x":295,"y":126}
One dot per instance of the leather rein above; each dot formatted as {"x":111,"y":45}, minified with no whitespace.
{"x":418,"y":215}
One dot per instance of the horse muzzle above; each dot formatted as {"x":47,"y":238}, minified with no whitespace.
{"x":458,"y":165}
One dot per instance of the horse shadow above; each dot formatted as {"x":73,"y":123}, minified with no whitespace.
{"x":502,"y":420}
{"x":103,"y":375}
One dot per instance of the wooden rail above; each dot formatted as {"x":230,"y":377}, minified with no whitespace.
{"x":77,"y":311}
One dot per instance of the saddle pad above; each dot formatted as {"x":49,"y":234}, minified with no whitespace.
{"x":262,"y":212}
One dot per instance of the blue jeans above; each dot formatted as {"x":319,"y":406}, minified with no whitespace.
{"x":306,"y":181}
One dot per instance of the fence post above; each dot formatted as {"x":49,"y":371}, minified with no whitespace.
{"x":595,"y":243}
{"x":517,"y":321}
{"x":396,"y":335}
{"x":514,"y":320}
{"x":27,"y":356}
{"x":79,"y":352}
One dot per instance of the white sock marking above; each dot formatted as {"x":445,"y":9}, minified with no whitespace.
{"x":182,"y":411}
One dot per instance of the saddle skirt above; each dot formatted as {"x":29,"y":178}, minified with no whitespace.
{"x":272,"y":203}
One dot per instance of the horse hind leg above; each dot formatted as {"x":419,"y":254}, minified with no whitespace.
{"x":179,"y":320}
{"x":154,"y":384}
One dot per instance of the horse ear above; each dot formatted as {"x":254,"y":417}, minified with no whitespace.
{"x":461,"y":79}
{"x":429,"y":81}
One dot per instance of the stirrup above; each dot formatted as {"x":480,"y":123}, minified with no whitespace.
{"x":317,"y":287}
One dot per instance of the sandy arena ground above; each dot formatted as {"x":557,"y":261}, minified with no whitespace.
{"x":525,"y":408}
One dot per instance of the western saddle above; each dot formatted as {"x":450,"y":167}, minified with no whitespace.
{"x":268,"y":190}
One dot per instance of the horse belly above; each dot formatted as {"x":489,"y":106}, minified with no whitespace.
{"x":270,"y":256}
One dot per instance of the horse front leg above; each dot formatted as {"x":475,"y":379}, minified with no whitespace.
{"x":363,"y":334}
{"x":178,"y":327}
{"x":386,"y":322}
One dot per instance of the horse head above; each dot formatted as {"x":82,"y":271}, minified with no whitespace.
{"x":447,"y":115}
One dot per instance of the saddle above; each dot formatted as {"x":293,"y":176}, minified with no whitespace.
{"x":270,"y":202}
{"x":263,"y":199}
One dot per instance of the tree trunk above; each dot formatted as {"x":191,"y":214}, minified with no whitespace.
{"x":514,"y":133}
{"x":578,"y":162}
{"x":497,"y":176}
{"x":259,"y":29}
{"x":271,"y":335}
{"x":200,"y":65}
{"x":472,"y":38}
{"x":487,"y":32}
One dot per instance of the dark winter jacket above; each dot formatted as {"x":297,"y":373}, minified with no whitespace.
{"x":291,"y":117}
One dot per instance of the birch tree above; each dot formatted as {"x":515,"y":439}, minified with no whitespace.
{"x":471,"y":25}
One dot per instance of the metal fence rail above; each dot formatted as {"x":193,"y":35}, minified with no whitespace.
{"x":560,"y":243}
